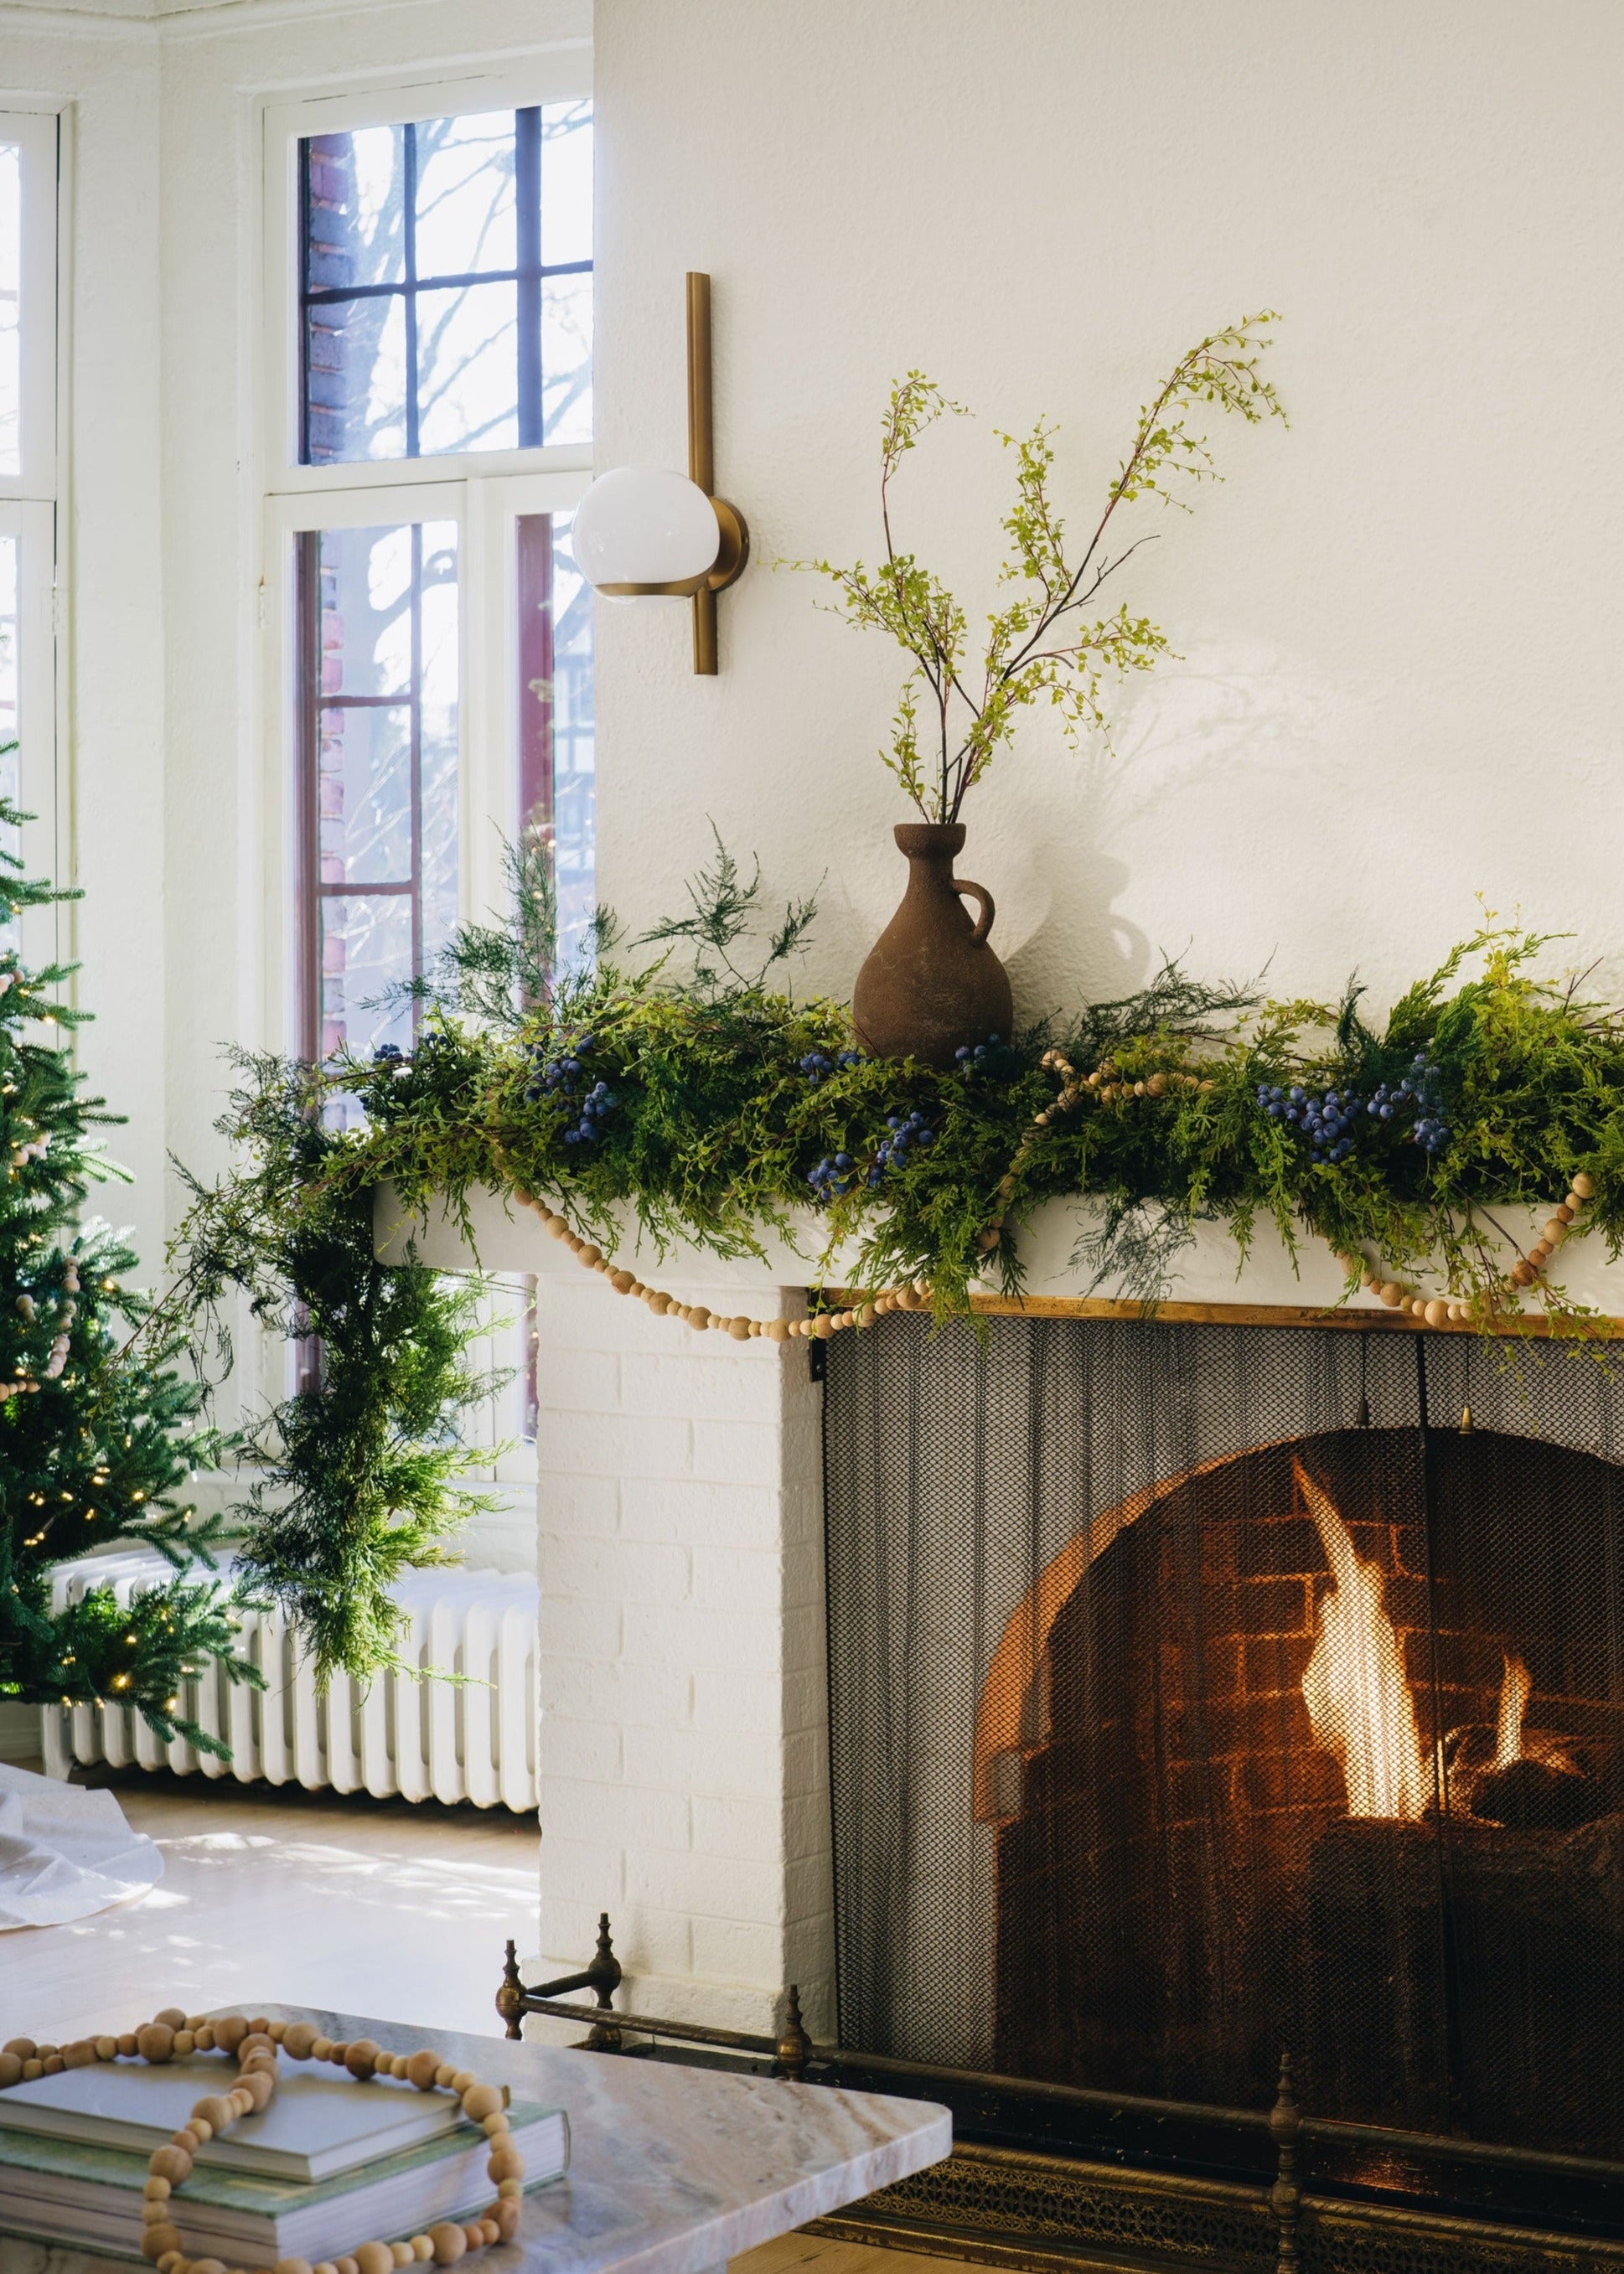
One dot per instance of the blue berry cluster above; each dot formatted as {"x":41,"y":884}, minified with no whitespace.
{"x":833,"y":1177}
{"x":1325,"y":1121}
{"x":817,"y":1065}
{"x":1422,"y":1088}
{"x":906,"y":1135}
{"x":1328,"y":1120}
{"x":562,"y":1073}
{"x":972,"y":1057}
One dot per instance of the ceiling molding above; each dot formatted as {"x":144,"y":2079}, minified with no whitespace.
{"x":168,"y":20}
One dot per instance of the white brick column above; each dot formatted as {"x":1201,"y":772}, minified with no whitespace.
{"x":684,"y":1734}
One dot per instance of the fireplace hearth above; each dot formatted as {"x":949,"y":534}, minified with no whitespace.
{"x":1202,"y":1692}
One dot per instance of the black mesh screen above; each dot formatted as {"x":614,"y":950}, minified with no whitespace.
{"x":1190,"y":1700}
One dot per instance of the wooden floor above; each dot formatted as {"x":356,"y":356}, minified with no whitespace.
{"x":375,"y":1907}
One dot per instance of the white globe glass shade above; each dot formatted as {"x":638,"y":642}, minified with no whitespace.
{"x":644,"y":525}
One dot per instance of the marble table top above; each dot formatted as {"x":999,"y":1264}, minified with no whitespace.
{"x":673,"y":2170}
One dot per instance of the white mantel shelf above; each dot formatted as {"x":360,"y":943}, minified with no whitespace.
{"x":1272,"y":1288}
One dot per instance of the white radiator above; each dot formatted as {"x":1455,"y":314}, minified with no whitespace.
{"x":474,"y":1739}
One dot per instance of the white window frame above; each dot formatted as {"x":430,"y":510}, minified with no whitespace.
{"x":29,"y":512}
{"x":484,"y":491}
{"x":564,"y":76}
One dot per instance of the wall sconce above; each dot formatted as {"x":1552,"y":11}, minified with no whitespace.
{"x":645,"y":533}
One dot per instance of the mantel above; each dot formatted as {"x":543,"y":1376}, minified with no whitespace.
{"x":1270,"y":1288}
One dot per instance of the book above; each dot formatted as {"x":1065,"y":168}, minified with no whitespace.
{"x":318,"y":2126}
{"x":79,"y":2192}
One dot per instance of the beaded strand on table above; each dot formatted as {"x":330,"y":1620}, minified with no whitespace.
{"x":255,"y":2044}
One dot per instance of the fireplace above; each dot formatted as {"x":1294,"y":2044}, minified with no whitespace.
{"x":1201,"y":1693}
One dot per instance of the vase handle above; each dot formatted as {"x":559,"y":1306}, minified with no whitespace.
{"x":984,"y":922}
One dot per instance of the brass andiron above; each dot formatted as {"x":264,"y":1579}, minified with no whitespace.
{"x":791,"y":2051}
{"x":1285,"y":2200}
{"x":602,"y":1977}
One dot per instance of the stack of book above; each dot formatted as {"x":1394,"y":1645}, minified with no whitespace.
{"x":329,"y":2164}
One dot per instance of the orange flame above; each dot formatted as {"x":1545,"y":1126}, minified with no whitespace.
{"x":1357,"y":1697}
{"x":1515,"y":1687}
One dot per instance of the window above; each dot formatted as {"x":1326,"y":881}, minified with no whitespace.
{"x":445,"y":286}
{"x":429,"y":665}
{"x":28,"y":481}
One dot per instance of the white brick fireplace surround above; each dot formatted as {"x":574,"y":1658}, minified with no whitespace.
{"x":683,"y":1748}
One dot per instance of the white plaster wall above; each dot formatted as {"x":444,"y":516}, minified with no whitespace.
{"x":1401,"y":620}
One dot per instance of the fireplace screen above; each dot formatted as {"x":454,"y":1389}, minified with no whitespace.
{"x":1191,"y":1700}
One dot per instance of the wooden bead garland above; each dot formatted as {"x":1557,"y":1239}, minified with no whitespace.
{"x":1440,"y":1310}
{"x":255,"y":2044}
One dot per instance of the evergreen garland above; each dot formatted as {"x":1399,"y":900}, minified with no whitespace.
{"x":97,"y":1438}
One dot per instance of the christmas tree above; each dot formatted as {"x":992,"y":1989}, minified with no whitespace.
{"x":99,"y":1427}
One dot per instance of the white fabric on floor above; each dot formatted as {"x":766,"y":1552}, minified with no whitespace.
{"x":66,"y":1851}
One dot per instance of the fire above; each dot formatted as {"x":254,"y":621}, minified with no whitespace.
{"x":1515,"y":1686}
{"x":1357,"y":1697}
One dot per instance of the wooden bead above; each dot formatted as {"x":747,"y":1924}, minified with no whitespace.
{"x":321,"y":2049}
{"x":741,"y":1329}
{"x":1539,"y":1255}
{"x":1522,"y":1274}
{"x":158,"y":2242}
{"x":185,"y":2042}
{"x":403,"y":2253}
{"x":186,"y":2139}
{"x":204,"y":2039}
{"x":172,"y":2016}
{"x":46,"y":2052}
{"x":444,"y":2073}
{"x":293,"y":2266}
{"x":510,"y":2190}
{"x":11,"y":2069}
{"x":505,"y":2163}
{"x":481,"y":2100}
{"x":1437,"y":1313}
{"x":338,"y":2054}
{"x":475,"y":2233}
{"x":31,"y":2069}
{"x":361,"y":2058}
{"x":107,"y":2049}
{"x":172,"y":2261}
{"x":422,"y":2248}
{"x":127,"y":2045}
{"x":450,"y":2243}
{"x":172,"y":2164}
{"x":258,"y":2086}
{"x":208,"y":2266}
{"x":507,"y":2215}
{"x":1392,"y":1294}
{"x":374,"y":2258}
{"x":154,"y":2213}
{"x":490,"y":2232}
{"x":202,"y":2129}
{"x":231,"y":2031}
{"x":298,"y":2040}
{"x":344,"y":2266}
{"x":157,"y":2190}
{"x":155,"y":2042}
{"x":420,"y":2069}
{"x":53,"y":2065}
{"x":1564,"y":1214}
{"x":24,"y":2048}
{"x":1584,"y":1185}
{"x":699,"y":1318}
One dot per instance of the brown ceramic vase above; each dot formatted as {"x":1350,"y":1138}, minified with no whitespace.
{"x":931,"y":983}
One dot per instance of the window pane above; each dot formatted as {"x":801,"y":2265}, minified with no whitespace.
{"x":355,"y":357}
{"x":566,"y":183}
{"x":366,"y":805}
{"x":379,"y":675}
{"x":10,"y":305}
{"x":566,"y":358}
{"x":398,"y":361}
{"x":466,"y":366}
{"x":366,"y":946}
{"x":464,"y":214}
{"x":355,"y":199}
{"x":366,"y":611}
{"x":556,"y":784}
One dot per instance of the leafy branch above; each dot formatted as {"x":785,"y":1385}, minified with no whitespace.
{"x":1044,"y":643}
